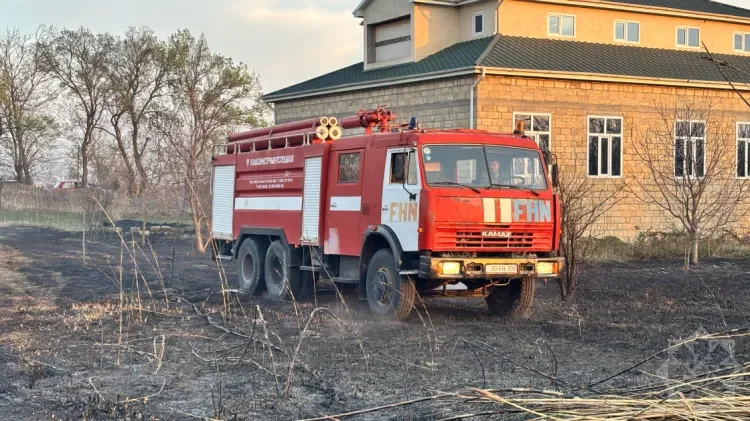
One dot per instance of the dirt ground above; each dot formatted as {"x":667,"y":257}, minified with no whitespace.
{"x":181,"y":351}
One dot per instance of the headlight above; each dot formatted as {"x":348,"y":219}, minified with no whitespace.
{"x":449,"y":268}
{"x":547,"y":268}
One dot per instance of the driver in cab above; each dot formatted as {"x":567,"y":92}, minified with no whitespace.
{"x":499,"y":173}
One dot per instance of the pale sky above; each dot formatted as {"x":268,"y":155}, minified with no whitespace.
{"x":285,"y":41}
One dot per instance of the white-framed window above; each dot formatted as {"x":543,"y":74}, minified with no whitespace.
{"x":689,"y":149}
{"x":537,"y":126}
{"x":741,"y":42}
{"x":478,"y":24}
{"x":627,"y":31}
{"x":604,"y":150}
{"x":561,"y":25}
{"x":688,"y":37}
{"x":743,"y":150}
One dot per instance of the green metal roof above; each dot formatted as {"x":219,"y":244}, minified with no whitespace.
{"x":704,"y":6}
{"x":506,"y":52}
{"x":457,"y":56}
{"x":621,"y":60}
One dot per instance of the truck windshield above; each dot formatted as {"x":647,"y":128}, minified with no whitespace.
{"x":483,"y":166}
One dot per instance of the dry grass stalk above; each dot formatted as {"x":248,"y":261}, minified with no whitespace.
{"x":270,"y":349}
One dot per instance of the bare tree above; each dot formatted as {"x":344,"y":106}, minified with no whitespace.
{"x":209,"y":93}
{"x":690,"y":177}
{"x":78,"y":61}
{"x":138,"y":72}
{"x":584,"y":202}
{"x":25,"y":94}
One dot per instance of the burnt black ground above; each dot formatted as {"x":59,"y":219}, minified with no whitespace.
{"x":59,"y":334}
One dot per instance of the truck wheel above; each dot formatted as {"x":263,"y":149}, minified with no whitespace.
{"x":280,"y":278}
{"x":514,"y":300}
{"x":389,"y":294}
{"x":250,"y":267}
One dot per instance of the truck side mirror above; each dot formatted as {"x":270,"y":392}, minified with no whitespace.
{"x":555,"y":176}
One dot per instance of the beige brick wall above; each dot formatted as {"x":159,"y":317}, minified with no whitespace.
{"x":571,"y":102}
{"x":437,"y":104}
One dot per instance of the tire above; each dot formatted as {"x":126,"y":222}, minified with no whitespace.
{"x":389,"y":295}
{"x":250,"y":263}
{"x":280,"y":277}
{"x":514,"y":300}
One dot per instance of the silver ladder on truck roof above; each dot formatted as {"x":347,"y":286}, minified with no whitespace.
{"x":306,"y":141}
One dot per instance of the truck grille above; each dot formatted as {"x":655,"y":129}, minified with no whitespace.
{"x":531,"y":237}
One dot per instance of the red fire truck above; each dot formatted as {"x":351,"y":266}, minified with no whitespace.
{"x":396,"y":211}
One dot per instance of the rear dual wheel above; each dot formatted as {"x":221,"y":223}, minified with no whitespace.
{"x":283,"y":281}
{"x":250,"y":262}
{"x":262,"y":268}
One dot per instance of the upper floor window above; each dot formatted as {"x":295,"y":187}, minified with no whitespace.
{"x":743,"y":150}
{"x":627,"y":31}
{"x":478,"y":23}
{"x":605,"y":147}
{"x":689,"y":149}
{"x":742,"y":42}
{"x":688,"y":37}
{"x":561,"y":25}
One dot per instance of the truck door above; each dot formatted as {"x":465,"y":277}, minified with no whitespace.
{"x":400,"y":204}
{"x":342,"y":233}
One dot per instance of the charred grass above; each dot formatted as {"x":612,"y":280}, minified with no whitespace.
{"x":147,"y":332}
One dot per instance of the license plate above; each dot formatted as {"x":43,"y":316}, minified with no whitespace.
{"x":501,"y":268}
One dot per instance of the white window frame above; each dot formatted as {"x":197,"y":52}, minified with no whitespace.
{"x":687,"y":37}
{"x":599,"y":145}
{"x":744,"y":48}
{"x":532,"y":133}
{"x":474,"y":32}
{"x":535,"y":135}
{"x":747,"y":151}
{"x":560,"y":25}
{"x":625,"y":40}
{"x":674,"y":149}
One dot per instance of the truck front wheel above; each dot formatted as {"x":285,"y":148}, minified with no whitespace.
{"x":388,"y":293}
{"x":250,"y":259}
{"x":513,"y":300}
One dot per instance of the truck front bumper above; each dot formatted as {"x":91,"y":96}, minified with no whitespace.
{"x":489,"y":268}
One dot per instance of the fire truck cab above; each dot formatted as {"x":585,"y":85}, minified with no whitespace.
{"x":396,"y":212}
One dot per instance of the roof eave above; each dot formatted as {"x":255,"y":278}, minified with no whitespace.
{"x":500,"y":71}
{"x":374,"y":84}
{"x":603,"y":77}
{"x":622,"y":5}
{"x":359,"y":10}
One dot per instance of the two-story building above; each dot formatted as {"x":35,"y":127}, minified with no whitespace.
{"x":586,"y":76}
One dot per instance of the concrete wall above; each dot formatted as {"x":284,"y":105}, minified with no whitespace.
{"x":383,"y":10}
{"x":435,"y":28}
{"x":467,"y":15}
{"x":438,"y":104}
{"x":571,"y":102}
{"x":529,"y":19}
